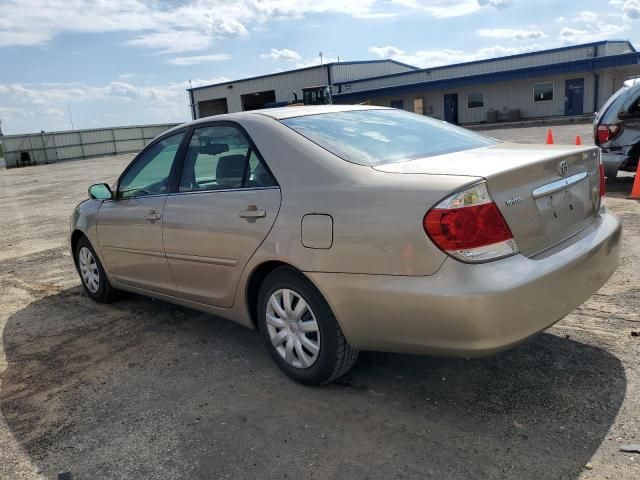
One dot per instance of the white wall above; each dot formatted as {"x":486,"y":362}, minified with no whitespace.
{"x":501,"y":96}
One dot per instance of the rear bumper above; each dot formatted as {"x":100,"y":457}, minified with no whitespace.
{"x":612,"y":162}
{"x":472,"y":310}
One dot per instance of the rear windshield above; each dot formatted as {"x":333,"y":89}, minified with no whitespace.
{"x":610,"y":102}
{"x":378,"y":137}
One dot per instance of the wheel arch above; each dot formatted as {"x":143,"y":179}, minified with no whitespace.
{"x":75,"y":238}
{"x":255,"y":280}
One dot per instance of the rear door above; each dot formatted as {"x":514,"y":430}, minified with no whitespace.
{"x":130,"y":227}
{"x":226,"y":204}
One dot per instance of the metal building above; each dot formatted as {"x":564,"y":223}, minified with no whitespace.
{"x":266,"y":90}
{"x":568,"y":81}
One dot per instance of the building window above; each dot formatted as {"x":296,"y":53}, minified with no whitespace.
{"x":543,"y":92}
{"x":397,"y":104}
{"x":475,"y":100}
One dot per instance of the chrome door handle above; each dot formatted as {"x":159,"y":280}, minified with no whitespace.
{"x":152,"y":216}
{"x":253,"y":213}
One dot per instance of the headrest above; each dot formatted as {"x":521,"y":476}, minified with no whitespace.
{"x":230,"y":170}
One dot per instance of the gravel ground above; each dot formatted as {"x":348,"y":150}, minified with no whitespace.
{"x":145,"y":389}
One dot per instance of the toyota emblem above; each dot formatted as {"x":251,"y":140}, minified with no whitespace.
{"x":563,"y":167}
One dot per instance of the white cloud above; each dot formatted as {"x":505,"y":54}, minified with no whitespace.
{"x":588,"y":26}
{"x":29,"y":107}
{"x":195,"y":24}
{"x":283,"y":54}
{"x":441,"y":8}
{"x":451,"y":8}
{"x":182,"y":61}
{"x":512,"y":33}
{"x":173,"y":41}
{"x":630,"y":8}
{"x":439,"y":57}
{"x":495,"y":3}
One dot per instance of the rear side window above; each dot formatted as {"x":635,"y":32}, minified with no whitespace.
{"x":377,"y":137}
{"x":222,"y":158}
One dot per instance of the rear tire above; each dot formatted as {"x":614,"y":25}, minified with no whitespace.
{"x":300,"y":330}
{"x":92,"y":274}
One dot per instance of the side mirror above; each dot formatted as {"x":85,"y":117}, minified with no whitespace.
{"x":100,"y":191}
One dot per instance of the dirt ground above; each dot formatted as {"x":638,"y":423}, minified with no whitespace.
{"x":145,"y":389}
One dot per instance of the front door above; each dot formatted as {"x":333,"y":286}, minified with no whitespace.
{"x":225,"y":206}
{"x":451,"y":108}
{"x":130,"y":227}
{"x":574,"y":96}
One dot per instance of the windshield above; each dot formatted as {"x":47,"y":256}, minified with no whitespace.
{"x":377,"y":137}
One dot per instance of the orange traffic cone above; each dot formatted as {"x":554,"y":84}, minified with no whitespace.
{"x":578,"y":140}
{"x":635,"y":190}
{"x":549,"y":137}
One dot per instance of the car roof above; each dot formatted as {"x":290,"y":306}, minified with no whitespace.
{"x":304,"y":110}
{"x":278,"y":113}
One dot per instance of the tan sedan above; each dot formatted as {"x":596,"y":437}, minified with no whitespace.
{"x":335,"y":229}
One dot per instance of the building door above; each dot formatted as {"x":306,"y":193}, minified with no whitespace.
{"x":451,"y":108}
{"x":255,"y":101}
{"x":574,"y":96}
{"x":209,"y":108}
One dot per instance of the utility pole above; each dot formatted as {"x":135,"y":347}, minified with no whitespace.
{"x":320,"y":57}
{"x":70,"y":117}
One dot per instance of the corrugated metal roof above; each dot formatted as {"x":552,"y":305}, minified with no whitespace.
{"x":487,"y":60}
{"x":296,"y":70}
{"x":506,"y":75}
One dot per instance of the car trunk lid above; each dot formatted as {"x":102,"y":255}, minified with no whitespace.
{"x":545,"y":193}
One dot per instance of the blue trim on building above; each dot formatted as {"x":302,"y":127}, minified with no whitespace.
{"x":326,"y":65}
{"x":486,"y":60}
{"x":587,"y":65}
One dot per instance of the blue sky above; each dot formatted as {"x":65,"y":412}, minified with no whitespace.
{"x":129,"y":61}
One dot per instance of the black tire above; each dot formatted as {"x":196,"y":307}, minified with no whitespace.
{"x":105,"y":292}
{"x":335,"y":357}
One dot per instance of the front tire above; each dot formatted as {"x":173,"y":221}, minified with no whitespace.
{"x":300,"y":330}
{"x":92,"y":274}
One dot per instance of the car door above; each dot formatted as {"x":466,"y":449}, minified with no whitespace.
{"x":130,"y":227}
{"x":226,"y":203}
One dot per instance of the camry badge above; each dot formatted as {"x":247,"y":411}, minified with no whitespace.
{"x":563,"y":167}
{"x":513,"y":201}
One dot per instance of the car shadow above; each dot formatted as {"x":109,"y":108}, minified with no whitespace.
{"x":145,"y":389}
{"x":620,"y":187}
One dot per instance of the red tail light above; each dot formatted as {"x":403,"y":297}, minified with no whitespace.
{"x":605,"y":133}
{"x":603,"y":188}
{"x":468,"y":226}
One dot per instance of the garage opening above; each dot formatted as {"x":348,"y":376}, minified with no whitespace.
{"x":213,"y":107}
{"x":254,"y":101}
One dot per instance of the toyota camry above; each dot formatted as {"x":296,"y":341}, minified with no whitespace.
{"x":334,"y":229}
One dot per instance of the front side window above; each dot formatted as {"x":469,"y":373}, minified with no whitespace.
{"x":376,"y":137}
{"x":149,"y":175}
{"x":222,"y":158}
{"x":543,"y":92}
{"x":475,"y":100}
